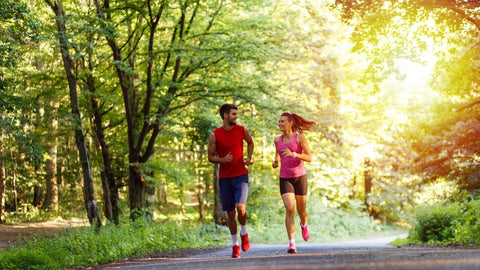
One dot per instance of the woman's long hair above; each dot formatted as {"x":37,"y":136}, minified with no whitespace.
{"x":299,"y":123}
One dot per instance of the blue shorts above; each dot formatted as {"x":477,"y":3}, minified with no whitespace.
{"x":233,"y":190}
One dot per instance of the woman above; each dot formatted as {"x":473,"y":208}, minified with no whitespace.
{"x":292,"y":149}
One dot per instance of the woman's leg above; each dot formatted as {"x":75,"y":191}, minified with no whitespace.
{"x":302,"y":208}
{"x":289,"y":203}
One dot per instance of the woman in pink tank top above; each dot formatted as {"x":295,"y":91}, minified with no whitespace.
{"x":291,"y":150}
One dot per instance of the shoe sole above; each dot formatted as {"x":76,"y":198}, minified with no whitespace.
{"x":292,"y":250}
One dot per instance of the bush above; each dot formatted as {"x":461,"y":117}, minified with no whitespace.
{"x":467,"y":230}
{"x":435,"y":224}
{"x":23,"y":258}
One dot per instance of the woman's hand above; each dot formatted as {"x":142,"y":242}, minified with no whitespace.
{"x":286,"y":152}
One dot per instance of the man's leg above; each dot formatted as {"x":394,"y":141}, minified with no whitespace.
{"x":242,"y":219}
{"x":241,"y":194}
{"x":232,"y":226}
{"x":231,"y":222}
{"x":242,"y":214}
{"x":228,"y":205}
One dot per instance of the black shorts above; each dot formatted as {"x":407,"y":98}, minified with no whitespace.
{"x":297,"y":185}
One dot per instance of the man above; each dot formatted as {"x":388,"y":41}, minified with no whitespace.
{"x":225,"y":146}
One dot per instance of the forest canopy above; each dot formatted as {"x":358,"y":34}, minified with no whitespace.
{"x":107,"y":105}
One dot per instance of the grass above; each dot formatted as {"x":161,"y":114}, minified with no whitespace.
{"x":84,"y":246}
{"x":81,"y":247}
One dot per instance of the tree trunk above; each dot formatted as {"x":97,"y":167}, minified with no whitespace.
{"x":51,"y":194}
{"x":89,"y":195}
{"x":136,"y":192}
{"x":109,"y":183}
{"x":2,"y":173}
{"x":141,"y":132}
{"x":37,"y":195}
{"x":368,"y":174}
{"x":107,"y":204}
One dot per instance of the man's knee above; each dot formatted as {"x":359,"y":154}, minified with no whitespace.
{"x":241,"y":208}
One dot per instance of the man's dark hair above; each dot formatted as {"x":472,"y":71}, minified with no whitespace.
{"x":226,"y":109}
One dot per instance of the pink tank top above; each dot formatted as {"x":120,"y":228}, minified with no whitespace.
{"x":290,"y":167}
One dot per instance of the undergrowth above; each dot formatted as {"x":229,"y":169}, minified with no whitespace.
{"x":85,"y":246}
{"x":452,"y":223}
{"x":81,"y":247}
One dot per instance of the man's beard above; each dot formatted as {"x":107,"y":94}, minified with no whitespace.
{"x":232,"y":122}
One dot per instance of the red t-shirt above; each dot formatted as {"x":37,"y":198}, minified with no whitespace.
{"x":231,"y":141}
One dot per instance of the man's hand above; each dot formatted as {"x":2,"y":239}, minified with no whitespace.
{"x":247,"y":162}
{"x":228,"y":157}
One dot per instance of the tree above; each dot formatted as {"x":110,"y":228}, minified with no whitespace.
{"x":426,"y":46}
{"x":449,"y":148}
{"x":16,"y":27}
{"x":89,"y":195}
{"x":162,"y":53}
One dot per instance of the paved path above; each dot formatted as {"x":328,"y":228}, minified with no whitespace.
{"x":364,"y":254}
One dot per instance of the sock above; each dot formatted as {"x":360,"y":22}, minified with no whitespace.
{"x":292,"y":241}
{"x":303,"y":226}
{"x":243,"y":229}
{"x":234,"y":240}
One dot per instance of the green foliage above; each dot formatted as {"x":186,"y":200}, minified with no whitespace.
{"x":435,"y":224}
{"x":78,"y":247}
{"x":24,"y":258}
{"x":449,"y":223}
{"x":467,"y":230}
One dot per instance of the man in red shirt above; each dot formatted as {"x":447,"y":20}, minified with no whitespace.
{"x":225,"y":146}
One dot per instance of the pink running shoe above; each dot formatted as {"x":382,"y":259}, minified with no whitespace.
{"x":292,"y":248}
{"x":236,"y":251}
{"x":245,"y":242}
{"x":305,"y":232}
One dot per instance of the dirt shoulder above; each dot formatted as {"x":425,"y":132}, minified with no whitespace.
{"x":11,"y":233}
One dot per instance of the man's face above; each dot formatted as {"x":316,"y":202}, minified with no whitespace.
{"x":232,"y":117}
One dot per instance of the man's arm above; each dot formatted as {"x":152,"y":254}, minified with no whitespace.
{"x":250,"y":146}
{"x":212,"y":151}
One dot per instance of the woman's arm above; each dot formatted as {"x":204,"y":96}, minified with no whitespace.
{"x":277,"y":155}
{"x":306,"y":155}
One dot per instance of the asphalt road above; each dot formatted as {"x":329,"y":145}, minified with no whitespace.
{"x":364,"y":254}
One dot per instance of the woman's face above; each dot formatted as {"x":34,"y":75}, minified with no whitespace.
{"x":284,"y":124}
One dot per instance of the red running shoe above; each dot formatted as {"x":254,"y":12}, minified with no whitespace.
{"x":305,"y":232}
{"x":245,"y":242}
{"x":292,"y":248}
{"x":236,"y":251}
